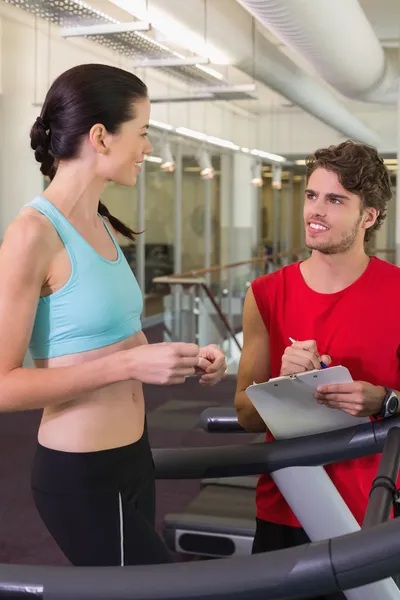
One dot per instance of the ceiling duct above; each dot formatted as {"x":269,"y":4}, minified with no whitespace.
{"x":337,"y":40}
{"x":233,"y":38}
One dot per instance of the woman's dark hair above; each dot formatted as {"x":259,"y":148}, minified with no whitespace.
{"x":360,"y":171}
{"x":78,"y":99}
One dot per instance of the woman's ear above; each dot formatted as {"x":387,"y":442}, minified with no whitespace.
{"x":98,"y":137}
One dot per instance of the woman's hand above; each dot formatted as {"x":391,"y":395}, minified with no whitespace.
{"x":162,"y":364}
{"x":212,"y":364}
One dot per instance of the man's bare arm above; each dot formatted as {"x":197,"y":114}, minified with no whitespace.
{"x":254,"y":364}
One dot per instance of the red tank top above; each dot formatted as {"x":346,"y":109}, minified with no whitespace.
{"x":359,"y":327}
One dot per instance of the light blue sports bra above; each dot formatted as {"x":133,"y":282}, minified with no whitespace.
{"x":100,"y":304}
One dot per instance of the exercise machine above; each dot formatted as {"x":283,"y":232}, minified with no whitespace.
{"x":367,"y":558}
{"x":308,"y":490}
{"x":221,"y":520}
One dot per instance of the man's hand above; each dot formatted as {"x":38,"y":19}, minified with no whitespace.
{"x":301,"y":357}
{"x":358,"y":398}
{"x":212,"y":364}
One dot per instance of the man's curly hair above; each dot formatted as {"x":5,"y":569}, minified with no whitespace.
{"x":360,"y":171}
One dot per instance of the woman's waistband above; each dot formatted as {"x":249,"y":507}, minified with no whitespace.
{"x":56,"y":471}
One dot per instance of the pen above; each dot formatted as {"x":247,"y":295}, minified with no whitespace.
{"x":323,"y":365}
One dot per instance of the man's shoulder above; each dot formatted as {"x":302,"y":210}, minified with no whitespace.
{"x":386,"y":272}
{"x":269,"y":280}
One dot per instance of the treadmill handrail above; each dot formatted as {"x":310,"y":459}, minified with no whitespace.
{"x":322,"y":567}
{"x":265,"y":457}
{"x":220,"y":420}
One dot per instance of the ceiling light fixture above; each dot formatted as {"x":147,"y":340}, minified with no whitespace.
{"x":206,"y":168}
{"x":257,"y":179}
{"x":216,"y":141}
{"x":168,"y":163}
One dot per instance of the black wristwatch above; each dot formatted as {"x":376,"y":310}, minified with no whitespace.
{"x":390,"y":404}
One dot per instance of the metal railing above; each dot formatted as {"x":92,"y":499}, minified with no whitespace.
{"x":206,"y":305}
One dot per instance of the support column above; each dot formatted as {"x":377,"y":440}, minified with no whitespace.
{"x":301,"y":221}
{"x":178,"y":211}
{"x":226,"y":225}
{"x":276,"y":220}
{"x":141,"y":240}
{"x":391,"y":225}
{"x":207,"y":223}
{"x":242,"y":216}
{"x":289,"y":214}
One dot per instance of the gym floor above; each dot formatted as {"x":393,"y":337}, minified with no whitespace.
{"x":172,"y":415}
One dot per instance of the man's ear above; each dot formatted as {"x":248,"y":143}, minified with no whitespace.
{"x":370,"y":216}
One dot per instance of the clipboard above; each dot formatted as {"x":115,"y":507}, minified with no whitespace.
{"x":288,"y":407}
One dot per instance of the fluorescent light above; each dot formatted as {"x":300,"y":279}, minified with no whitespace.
{"x":268,"y":155}
{"x":216,"y":141}
{"x":197,"y":135}
{"x":224,"y":143}
{"x":160,"y":125}
{"x":210,"y":139}
{"x":175,"y":30}
{"x":153,"y":159}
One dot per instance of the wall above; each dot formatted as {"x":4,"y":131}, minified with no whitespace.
{"x":293,"y":131}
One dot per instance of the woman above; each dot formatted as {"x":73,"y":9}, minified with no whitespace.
{"x":75,"y":302}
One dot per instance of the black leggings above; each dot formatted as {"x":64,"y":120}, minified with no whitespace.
{"x":100,"y":506}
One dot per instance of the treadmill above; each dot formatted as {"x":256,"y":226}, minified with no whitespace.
{"x":220,"y":521}
{"x":362,"y":563}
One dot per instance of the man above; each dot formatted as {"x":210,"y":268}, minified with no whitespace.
{"x":342,"y":307}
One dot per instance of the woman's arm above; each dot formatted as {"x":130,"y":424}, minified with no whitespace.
{"x":24,"y":261}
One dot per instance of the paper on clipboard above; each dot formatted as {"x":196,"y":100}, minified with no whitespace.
{"x":289,"y":409}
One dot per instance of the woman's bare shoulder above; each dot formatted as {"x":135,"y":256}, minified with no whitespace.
{"x":30,"y":235}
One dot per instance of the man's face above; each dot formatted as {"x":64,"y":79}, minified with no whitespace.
{"x":333,"y":217}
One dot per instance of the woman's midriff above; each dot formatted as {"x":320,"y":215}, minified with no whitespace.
{"x":109,"y":417}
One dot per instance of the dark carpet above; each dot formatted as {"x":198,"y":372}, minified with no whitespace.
{"x":172,"y":414}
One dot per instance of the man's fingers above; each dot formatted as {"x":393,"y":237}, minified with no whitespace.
{"x":203,"y":364}
{"x":217,"y":365}
{"x":339,"y":388}
{"x":326,"y":359}
{"x":336,"y":400}
{"x":309,"y":345}
{"x":303,"y":358}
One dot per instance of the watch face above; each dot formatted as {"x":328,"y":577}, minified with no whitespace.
{"x":392,"y":404}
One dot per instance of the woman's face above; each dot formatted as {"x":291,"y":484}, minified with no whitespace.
{"x":125,"y":150}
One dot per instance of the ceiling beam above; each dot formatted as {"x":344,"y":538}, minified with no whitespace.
{"x":172,"y":61}
{"x":104,"y":29}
